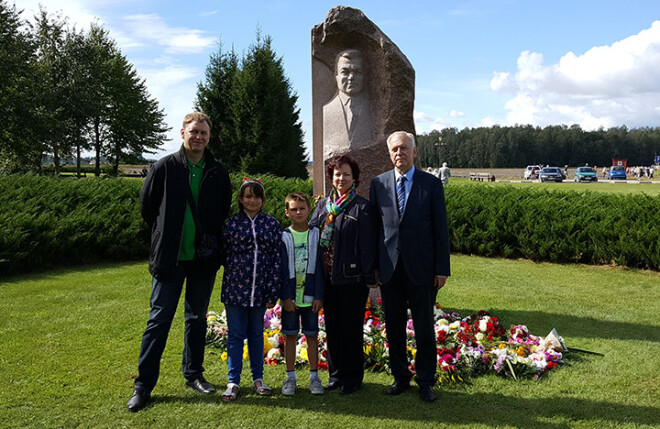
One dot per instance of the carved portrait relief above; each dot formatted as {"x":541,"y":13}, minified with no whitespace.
{"x":347,"y":122}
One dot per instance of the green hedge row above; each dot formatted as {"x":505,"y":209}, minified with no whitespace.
{"x":48,"y":221}
{"x":586,"y":227}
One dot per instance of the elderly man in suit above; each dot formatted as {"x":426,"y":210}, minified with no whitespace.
{"x":413,"y":255}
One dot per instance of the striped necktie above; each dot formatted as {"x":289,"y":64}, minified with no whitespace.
{"x":401,"y":194}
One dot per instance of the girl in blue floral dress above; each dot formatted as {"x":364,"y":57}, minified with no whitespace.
{"x":250,"y":284}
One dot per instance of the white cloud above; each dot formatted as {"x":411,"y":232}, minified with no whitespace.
{"x":422,"y":117}
{"x":76,"y":11}
{"x":151,"y":28}
{"x":456,"y":114}
{"x":606,"y":86}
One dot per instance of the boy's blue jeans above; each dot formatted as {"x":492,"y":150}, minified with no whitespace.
{"x":245,"y":322}
{"x":165,"y":295}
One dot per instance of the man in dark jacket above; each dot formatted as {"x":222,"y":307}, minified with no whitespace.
{"x":191,"y":173}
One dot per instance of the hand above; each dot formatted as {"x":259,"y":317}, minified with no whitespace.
{"x":270,"y":305}
{"x":317,"y":305}
{"x":373,"y":286}
{"x":440,"y":282}
{"x":289,"y":305}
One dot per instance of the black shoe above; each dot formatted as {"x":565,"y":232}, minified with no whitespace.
{"x":333,"y":385}
{"x":347,"y":389}
{"x":397,"y":388}
{"x":200,"y":385}
{"x":138,"y":401}
{"x":426,"y":394}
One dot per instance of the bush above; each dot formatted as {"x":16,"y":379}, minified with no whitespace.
{"x":53,"y":221}
{"x":50,"y":221}
{"x":587,"y":227}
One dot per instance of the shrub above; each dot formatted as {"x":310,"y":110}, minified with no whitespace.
{"x":585,"y":227}
{"x":52,"y":221}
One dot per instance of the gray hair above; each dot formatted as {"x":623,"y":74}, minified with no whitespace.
{"x":397,"y":134}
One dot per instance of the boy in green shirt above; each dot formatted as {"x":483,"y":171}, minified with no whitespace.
{"x":302,"y":291}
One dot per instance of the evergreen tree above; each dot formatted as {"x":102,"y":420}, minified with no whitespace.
{"x":19,"y":150}
{"x":260,"y":131}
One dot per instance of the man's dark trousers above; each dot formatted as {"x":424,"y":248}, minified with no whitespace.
{"x":165,"y":295}
{"x":398,"y":294}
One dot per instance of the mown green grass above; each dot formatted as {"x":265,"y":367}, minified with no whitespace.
{"x":643,"y":186}
{"x":69,"y":342}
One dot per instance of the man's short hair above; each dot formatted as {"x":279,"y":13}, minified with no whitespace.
{"x":296,"y":196}
{"x":349,"y":54}
{"x":196,"y":116}
{"x":396,"y":134}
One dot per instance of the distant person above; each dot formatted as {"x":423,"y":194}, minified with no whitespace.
{"x":413,"y":255}
{"x":302,"y":291}
{"x":191,"y":174}
{"x":251,"y":283}
{"x":444,"y":173}
{"x":604,"y":172}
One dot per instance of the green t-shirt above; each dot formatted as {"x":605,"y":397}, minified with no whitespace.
{"x":187,"y":250}
{"x":301,"y":254}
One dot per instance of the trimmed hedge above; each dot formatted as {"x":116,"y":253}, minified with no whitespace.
{"x":49,"y":221}
{"x":52,"y":221}
{"x":555,"y":226}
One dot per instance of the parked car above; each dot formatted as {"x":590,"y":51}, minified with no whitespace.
{"x":585,"y":174}
{"x":551,"y":174}
{"x":532,"y":172}
{"x":617,"y":172}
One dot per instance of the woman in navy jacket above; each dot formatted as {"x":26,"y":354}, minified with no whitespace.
{"x":349,"y":261}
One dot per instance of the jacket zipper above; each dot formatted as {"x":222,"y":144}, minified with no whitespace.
{"x":254,"y":263}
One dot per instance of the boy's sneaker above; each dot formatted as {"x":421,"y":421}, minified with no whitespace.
{"x":315,"y":386}
{"x":289,"y":386}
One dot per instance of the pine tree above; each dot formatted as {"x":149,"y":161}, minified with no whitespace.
{"x":260,"y":131}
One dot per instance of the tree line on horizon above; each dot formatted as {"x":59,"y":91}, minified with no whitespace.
{"x":521,"y":145}
{"x":64,"y":91}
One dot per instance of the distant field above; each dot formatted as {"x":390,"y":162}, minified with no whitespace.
{"x":504,"y":176}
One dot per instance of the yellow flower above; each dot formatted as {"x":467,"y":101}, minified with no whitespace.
{"x":414,"y":353}
{"x":502,"y":346}
{"x":246,"y":354}
{"x":267,"y":344}
{"x":303,"y":353}
{"x":224,"y":357}
{"x":521,"y":352}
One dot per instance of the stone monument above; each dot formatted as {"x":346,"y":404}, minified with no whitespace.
{"x":363,"y":89}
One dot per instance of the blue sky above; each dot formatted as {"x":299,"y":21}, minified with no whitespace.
{"x":483,"y":62}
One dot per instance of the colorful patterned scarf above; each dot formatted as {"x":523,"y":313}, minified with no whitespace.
{"x":335,"y":206}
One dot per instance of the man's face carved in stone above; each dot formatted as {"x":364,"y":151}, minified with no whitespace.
{"x":349,"y":76}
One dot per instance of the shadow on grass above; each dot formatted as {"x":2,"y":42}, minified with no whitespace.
{"x":452,"y":407}
{"x":540,"y":323}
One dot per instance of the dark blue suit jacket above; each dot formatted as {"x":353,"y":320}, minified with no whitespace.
{"x":420,"y":236}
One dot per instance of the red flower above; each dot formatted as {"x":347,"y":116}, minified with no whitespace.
{"x":552,"y":365}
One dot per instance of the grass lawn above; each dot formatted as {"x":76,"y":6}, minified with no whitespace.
{"x":69,"y":342}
